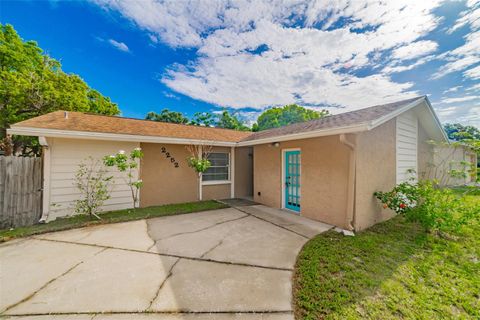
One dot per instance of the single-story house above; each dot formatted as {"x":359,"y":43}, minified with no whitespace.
{"x":325,"y":169}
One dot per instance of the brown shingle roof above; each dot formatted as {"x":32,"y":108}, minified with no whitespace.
{"x":334,"y":121}
{"x":79,"y":121}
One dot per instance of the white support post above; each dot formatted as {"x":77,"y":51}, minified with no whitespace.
{"x":200,"y":187}
{"x":232,"y":172}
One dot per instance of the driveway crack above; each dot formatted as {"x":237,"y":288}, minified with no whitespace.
{"x":170,"y":272}
{"x":203,"y":229}
{"x":46,"y":284}
{"x":278,"y":225}
{"x":212,"y":248}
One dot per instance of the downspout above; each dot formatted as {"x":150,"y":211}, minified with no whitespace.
{"x":350,"y":218}
{"x":46,"y":179}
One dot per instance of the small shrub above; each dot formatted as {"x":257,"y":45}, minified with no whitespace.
{"x":434,"y":208}
{"x":93,"y":182}
{"x":128,"y":164}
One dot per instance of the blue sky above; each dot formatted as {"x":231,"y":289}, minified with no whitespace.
{"x":194,"y":56}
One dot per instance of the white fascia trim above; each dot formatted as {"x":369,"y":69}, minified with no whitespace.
{"x":215,"y":182}
{"x":309,"y":134}
{"x":111,"y":136}
{"x":390,"y":116}
{"x":415,"y":103}
{"x":437,"y":121}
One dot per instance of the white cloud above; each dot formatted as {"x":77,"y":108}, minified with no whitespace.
{"x":459,"y":99}
{"x":473,"y":73}
{"x":307,"y":56}
{"x":119,"y":45}
{"x":469,"y":17}
{"x":465,"y":114}
{"x":452,"y":89}
{"x":396,"y":65}
{"x":462,"y":57}
{"x":475,"y":87}
{"x":415,"y":50}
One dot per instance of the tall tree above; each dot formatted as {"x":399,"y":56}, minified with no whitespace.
{"x":167,"y":116}
{"x":203,"y":119}
{"x":459,"y":132}
{"x":32,"y":83}
{"x":230,"y":121}
{"x":282,"y":116}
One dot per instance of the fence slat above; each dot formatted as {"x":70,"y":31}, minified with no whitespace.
{"x":20,"y":191}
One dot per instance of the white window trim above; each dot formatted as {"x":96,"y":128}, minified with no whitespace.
{"x":229,"y":172}
{"x":214,"y":182}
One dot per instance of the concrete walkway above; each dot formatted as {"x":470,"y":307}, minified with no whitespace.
{"x":233,"y":263}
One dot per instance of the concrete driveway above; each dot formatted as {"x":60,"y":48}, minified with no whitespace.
{"x":233,"y":263}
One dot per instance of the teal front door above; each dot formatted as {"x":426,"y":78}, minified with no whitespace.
{"x":292,"y":180}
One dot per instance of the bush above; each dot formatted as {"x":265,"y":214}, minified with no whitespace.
{"x":93,"y":182}
{"x":434,"y":208}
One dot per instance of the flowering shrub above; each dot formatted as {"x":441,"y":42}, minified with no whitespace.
{"x":401,"y":199}
{"x":127,"y":163}
{"x":434,"y":208}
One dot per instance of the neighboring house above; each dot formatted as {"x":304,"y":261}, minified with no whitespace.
{"x":325,"y":169}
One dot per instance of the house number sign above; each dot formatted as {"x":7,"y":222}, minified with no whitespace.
{"x":169,"y":156}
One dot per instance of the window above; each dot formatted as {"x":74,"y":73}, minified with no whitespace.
{"x":219,"y":169}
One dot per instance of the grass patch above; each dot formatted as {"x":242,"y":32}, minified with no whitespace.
{"x":392,"y":270}
{"x":110,"y":217}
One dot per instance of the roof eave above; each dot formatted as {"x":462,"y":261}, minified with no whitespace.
{"x":306,"y":135}
{"x":56,"y":133}
{"x":390,"y":116}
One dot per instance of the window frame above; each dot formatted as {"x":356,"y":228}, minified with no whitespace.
{"x":228,"y":166}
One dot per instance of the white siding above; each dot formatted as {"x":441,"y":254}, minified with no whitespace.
{"x":66,"y":154}
{"x":406,"y":145}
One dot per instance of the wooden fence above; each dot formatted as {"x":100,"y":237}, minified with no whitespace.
{"x":20,"y":191}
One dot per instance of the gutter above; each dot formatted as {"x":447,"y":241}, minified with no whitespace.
{"x":56,"y":133}
{"x":309,"y":134}
{"x":352,"y":175}
{"x":46,"y":155}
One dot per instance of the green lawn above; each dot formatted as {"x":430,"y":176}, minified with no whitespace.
{"x":393,"y":270}
{"x":110,"y":217}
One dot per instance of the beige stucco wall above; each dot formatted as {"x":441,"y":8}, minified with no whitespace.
{"x":64,"y":157}
{"x":162,"y":182}
{"x":216,"y":192}
{"x":376,"y":165}
{"x":165,"y":184}
{"x":243,"y":172}
{"x":324,"y":176}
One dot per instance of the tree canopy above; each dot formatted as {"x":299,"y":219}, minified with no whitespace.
{"x":33,"y":83}
{"x":282,"y":116}
{"x":167,"y":116}
{"x":203,"y":119}
{"x":230,"y":121}
{"x":459,"y":132}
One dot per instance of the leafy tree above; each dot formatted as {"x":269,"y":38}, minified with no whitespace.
{"x":32,"y":83}
{"x":230,"y":121}
{"x":167,"y":116}
{"x":282,"y":116}
{"x":458,"y":132}
{"x":203,"y":119}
